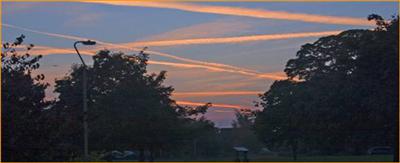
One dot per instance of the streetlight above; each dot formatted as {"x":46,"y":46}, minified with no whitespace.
{"x":84,"y":93}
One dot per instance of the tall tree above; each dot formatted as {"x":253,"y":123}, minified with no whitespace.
{"x":243,"y":130}
{"x":128,"y":108}
{"x":280,"y":123}
{"x":25,"y":125}
{"x":379,"y":69}
{"x":348,"y":97}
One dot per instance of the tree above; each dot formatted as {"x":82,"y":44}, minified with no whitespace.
{"x":25,"y":123}
{"x":367,"y":62}
{"x":279,"y":124}
{"x":379,"y":67}
{"x":347,"y":99}
{"x":202,"y":138}
{"x":243,"y":133}
{"x":128,"y":109}
{"x":244,"y":118}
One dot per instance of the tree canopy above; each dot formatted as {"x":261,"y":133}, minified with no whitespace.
{"x":26,"y":124}
{"x":347,"y":99}
{"x":128,"y":108}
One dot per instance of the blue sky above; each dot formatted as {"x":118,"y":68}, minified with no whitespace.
{"x":121,"y":24}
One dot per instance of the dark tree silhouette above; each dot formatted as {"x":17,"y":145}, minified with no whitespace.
{"x":279,"y":124}
{"x":348,"y":97}
{"x":25,"y":123}
{"x":128,"y":108}
{"x":243,"y":133}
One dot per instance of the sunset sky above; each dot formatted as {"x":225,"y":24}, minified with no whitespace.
{"x":220,"y":52}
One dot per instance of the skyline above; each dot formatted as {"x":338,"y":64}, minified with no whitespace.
{"x":197,"y":64}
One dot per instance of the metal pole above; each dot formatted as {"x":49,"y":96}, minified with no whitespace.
{"x":85,"y":124}
{"x":195,"y":148}
{"x":84,"y":98}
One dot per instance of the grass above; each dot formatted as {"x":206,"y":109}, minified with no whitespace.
{"x":362,"y":158}
{"x":269,"y":158}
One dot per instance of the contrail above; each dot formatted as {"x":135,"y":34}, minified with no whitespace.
{"x":222,"y":93}
{"x":225,"y":40}
{"x":192,"y":41}
{"x":76,"y":38}
{"x":44,"y":33}
{"x":213,"y":105}
{"x":218,"y":40}
{"x":127,"y":47}
{"x":272,"y":76}
{"x":247,"y":12}
{"x":45,"y":50}
{"x":211,"y":64}
{"x":198,"y":64}
{"x":223,"y":111}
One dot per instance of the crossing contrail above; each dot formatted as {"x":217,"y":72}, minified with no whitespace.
{"x":247,"y":12}
{"x":228,"y":40}
{"x":272,"y":76}
{"x":197,"y":64}
{"x":46,"y":50}
{"x":131,"y":48}
{"x":238,"y":39}
{"x":213,"y":105}
{"x":213,"y":93}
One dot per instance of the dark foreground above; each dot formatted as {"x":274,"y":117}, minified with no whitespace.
{"x":263,"y":158}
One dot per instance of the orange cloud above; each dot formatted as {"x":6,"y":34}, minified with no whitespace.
{"x":233,"y":85}
{"x":127,"y":47}
{"x":223,"y":111}
{"x":214,"y":28}
{"x":213,"y":105}
{"x":247,"y":12}
{"x":222,"y":93}
{"x":209,"y":64}
{"x":45,"y":33}
{"x":272,"y":76}
{"x":225,"y":40}
{"x":44,"y":50}
{"x":198,"y":64}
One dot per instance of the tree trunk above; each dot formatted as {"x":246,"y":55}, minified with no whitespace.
{"x":396,"y":139}
{"x":141,"y":154}
{"x":151,"y":159}
{"x":194,"y":148}
{"x":294,"y":150}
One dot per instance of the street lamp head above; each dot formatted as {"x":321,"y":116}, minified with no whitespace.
{"x":89,"y":42}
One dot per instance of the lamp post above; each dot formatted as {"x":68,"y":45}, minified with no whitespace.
{"x":84,"y":93}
